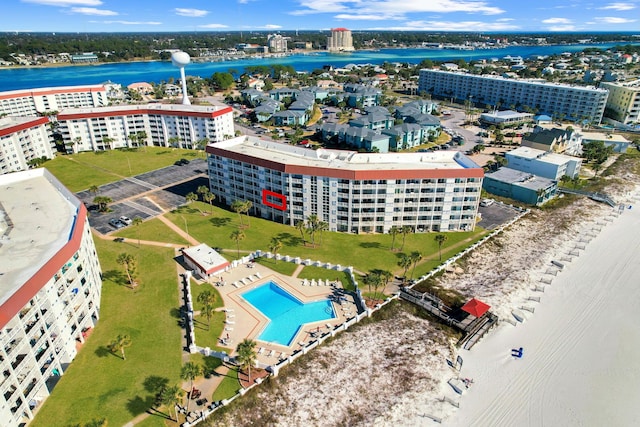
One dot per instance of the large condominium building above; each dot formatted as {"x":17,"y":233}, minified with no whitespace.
{"x":175,"y":125}
{"x":623,"y":104}
{"x":576,"y":103}
{"x":352,"y":192}
{"x":340,"y":40}
{"x":29,"y":102}
{"x":23,"y":139}
{"x":50,"y":288}
{"x":276,"y":43}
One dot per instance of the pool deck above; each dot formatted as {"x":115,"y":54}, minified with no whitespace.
{"x":245,"y":321}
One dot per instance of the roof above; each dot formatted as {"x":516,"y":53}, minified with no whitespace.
{"x":520,"y":179}
{"x":547,"y":136}
{"x":540,"y":155}
{"x":37,"y":218}
{"x":206,"y":258}
{"x":475,"y":307}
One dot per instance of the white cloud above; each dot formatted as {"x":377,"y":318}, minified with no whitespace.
{"x":556,"y":21}
{"x":560,"y":28}
{"x":452,"y":26}
{"x":212,"y":26}
{"x":272,"y":27}
{"x":347,"y":16}
{"x":133,"y":22}
{"x":618,"y":6}
{"x":613,"y":20}
{"x":92,"y":11}
{"x":65,"y":3}
{"x":394,"y":8}
{"x":191,"y":13}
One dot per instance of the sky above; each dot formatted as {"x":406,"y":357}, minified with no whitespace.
{"x":305,"y":15}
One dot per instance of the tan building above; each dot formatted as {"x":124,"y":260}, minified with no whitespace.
{"x":623,"y":103}
{"x":340,"y":40}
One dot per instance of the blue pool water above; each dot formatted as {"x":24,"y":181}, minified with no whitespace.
{"x":286,"y":313}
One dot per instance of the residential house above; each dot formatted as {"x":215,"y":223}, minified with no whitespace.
{"x":521,"y":186}
{"x":546,"y":164}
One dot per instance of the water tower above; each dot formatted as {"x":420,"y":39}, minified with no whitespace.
{"x":180,"y":60}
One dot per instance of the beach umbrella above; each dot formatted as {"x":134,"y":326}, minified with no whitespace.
{"x":475,"y":307}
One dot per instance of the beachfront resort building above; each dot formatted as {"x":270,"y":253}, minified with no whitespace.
{"x":350,"y":191}
{"x":30,"y":102}
{"x":546,"y":164}
{"x":575,"y":103}
{"x":50,"y":288}
{"x":340,"y":40}
{"x":623,"y":103}
{"x":277,"y":43}
{"x":521,"y":186}
{"x":165,"y":125}
{"x":23,"y":139}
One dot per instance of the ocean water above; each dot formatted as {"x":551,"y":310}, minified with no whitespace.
{"x":157,"y":71}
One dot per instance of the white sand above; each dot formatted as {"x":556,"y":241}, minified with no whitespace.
{"x":581,"y":363}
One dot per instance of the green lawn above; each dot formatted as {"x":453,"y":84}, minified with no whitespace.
{"x":208,"y":332}
{"x":154,"y":230}
{"x":313,"y":272}
{"x":80,"y":171}
{"x":282,"y":267}
{"x":99,"y":384}
{"x":363,"y":252}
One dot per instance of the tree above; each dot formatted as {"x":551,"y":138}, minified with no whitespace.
{"x":119,"y":344}
{"x":189,"y":372}
{"x":404,"y":262}
{"x":128,"y":262}
{"x":415,"y":257}
{"x":207,"y":299}
{"x":136,"y":223}
{"x":312,"y":227}
{"x":406,"y":229}
{"x":170,"y":397}
{"x":237,"y":235}
{"x":301,"y":227}
{"x":275,"y":245}
{"x":246,"y":356}
{"x":209,"y":197}
{"x":394,"y":231}
{"x":193,"y":197}
{"x":94,"y":189}
{"x":102,"y":202}
{"x":322,"y":227}
{"x":246,"y":207}
{"x":237,"y":206}
{"x":221,"y":80}
{"x":440,"y":239}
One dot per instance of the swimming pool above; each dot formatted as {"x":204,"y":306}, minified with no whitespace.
{"x":285,"y":312}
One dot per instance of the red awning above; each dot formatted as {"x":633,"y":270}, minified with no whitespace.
{"x":476,"y":307}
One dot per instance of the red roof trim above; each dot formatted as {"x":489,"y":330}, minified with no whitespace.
{"x":51,"y":91}
{"x":31,"y":287}
{"x":22,"y":126}
{"x":130,"y":112}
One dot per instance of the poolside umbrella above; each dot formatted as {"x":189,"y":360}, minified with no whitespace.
{"x":475,"y":307}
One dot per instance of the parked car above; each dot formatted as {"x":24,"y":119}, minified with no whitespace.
{"x":486,"y":202}
{"x":125,"y":220}
{"x":115,"y":223}
{"x":181,"y":162}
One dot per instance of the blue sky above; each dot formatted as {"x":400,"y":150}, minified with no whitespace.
{"x":274,"y":15}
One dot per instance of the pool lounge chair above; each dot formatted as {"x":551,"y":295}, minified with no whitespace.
{"x":258,"y":275}
{"x":313,"y":282}
{"x":320,"y":282}
{"x":244,"y":281}
{"x":261,"y":350}
{"x":271,"y":353}
{"x":229,"y":322}
{"x":283,"y":355}
{"x":235,"y":284}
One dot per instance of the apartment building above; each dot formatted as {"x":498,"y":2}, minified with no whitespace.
{"x":30,"y":102}
{"x":165,"y":125}
{"x":340,"y":40}
{"x":352,"y":192}
{"x":50,"y":288}
{"x":276,"y":43}
{"x":23,"y":139}
{"x":575,"y":103}
{"x":623,"y":103}
{"x":542,"y":163}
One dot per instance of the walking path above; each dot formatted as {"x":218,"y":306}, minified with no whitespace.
{"x":178,"y":230}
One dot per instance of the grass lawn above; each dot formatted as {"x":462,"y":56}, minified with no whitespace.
{"x":282,"y":267}
{"x":228,"y":387}
{"x":207,"y":335}
{"x":364,"y":252}
{"x":313,"y":272}
{"x":80,"y":171}
{"x":154,"y":230}
{"x":100,"y":384}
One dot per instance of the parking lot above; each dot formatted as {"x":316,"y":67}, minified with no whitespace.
{"x":495,"y":215}
{"x":146,"y":195}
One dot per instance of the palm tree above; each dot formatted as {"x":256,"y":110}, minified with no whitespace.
{"x":301,"y":226}
{"x":207,"y":299}
{"x":322,"y":227}
{"x":128,"y":261}
{"x":190,"y":371}
{"x":193,"y":197}
{"x":394,"y":231}
{"x":275,"y":245}
{"x":209,"y":197}
{"x":246,"y":355}
{"x":312,"y":227}
{"x":237,"y":235}
{"x":202,"y":190}
{"x":94,"y":189}
{"x":404,"y":262}
{"x":246,"y":207}
{"x":102,"y":202}
{"x":415,"y":257}
{"x":141,"y":137}
{"x":237,"y":206}
{"x":119,"y":344}
{"x":136,"y":223}
{"x":440,"y":239}
{"x":170,"y":397}
{"x":406,"y":229}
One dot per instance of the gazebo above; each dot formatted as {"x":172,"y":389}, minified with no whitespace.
{"x":475,"y":307}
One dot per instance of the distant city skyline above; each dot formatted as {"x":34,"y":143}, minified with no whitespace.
{"x":322,"y":15}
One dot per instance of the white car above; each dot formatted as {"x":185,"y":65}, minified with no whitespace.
{"x":486,"y":202}
{"x":125,"y":220}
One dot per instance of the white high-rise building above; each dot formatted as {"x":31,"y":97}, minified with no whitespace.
{"x":276,"y":43}
{"x":623,"y":104}
{"x":165,"y":125}
{"x":570,"y":102}
{"x":340,"y":40}
{"x":50,"y":288}
{"x":30,"y":102}
{"x":23,"y":139}
{"x":352,"y":192}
